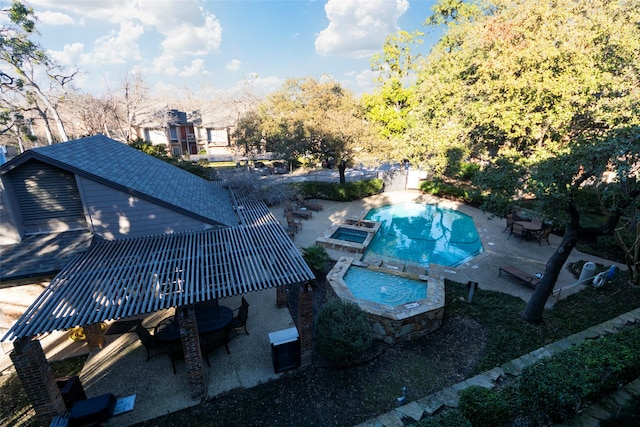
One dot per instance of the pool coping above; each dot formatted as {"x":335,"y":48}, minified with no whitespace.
{"x":326,"y":241}
{"x":434,"y":299}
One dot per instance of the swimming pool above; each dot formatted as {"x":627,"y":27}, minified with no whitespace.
{"x":423,"y":234}
{"x":384,"y":288}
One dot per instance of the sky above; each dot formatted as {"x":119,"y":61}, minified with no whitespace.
{"x":223,"y":45}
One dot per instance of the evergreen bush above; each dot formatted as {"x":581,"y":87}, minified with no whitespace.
{"x":484,"y":407}
{"x":448,"y":418}
{"x":340,"y":192}
{"x":343,"y":332}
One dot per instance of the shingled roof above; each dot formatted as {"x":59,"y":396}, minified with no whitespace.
{"x":126,"y":169}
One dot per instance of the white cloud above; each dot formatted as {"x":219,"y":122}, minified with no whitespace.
{"x":196,"y":68}
{"x":54,"y":18}
{"x":233,"y":65}
{"x":185,"y":40}
{"x":71,"y":54}
{"x":120,"y":47}
{"x":358,"y":28}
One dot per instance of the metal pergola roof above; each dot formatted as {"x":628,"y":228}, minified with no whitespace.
{"x":125,"y":278}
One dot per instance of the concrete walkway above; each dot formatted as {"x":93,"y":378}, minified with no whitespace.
{"x":120,"y":367}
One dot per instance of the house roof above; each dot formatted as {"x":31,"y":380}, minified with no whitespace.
{"x":41,"y":254}
{"x":126,"y":169}
{"x":125,"y":278}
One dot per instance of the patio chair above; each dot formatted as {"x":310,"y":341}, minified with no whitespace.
{"x":292,"y":222}
{"x":240,"y":320}
{"x":543,"y":234}
{"x":516,"y":273}
{"x":509,"y":223}
{"x":149,"y":342}
{"x":517,"y":230}
{"x":214,"y":339}
{"x":302,"y":203}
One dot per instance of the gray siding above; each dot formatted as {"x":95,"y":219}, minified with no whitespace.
{"x":9,"y":232}
{"x":115,"y":215}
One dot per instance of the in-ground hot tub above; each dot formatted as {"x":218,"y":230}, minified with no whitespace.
{"x":350,"y":236}
{"x":417,"y":312}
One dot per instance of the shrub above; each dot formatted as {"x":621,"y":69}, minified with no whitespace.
{"x":484,"y":407}
{"x":343,"y":332}
{"x":340,"y":192}
{"x":448,"y":418}
{"x":560,"y":386}
{"x":468,"y":170}
{"x":317,"y":259}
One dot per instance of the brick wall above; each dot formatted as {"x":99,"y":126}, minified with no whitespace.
{"x":37,"y":379}
{"x":305,"y":326}
{"x":192,"y":354}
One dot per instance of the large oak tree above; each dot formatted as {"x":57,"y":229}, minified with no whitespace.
{"x":548,"y":94}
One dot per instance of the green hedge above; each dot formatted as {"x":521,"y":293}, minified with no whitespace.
{"x":445,"y":190}
{"x":340,"y":192}
{"x":484,"y":407}
{"x":560,"y":386}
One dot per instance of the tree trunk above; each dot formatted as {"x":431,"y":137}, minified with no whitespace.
{"x":535,"y":307}
{"x":341,"y":169}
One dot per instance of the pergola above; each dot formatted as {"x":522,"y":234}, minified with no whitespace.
{"x":132,"y":277}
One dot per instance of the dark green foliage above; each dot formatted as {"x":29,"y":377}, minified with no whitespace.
{"x":343,"y":332}
{"x":468,"y":170}
{"x":484,"y":407}
{"x":317,"y":259}
{"x":560,"y":386}
{"x":448,"y":418}
{"x":160,"y":152}
{"x":340,"y":192}
{"x":452,"y":191}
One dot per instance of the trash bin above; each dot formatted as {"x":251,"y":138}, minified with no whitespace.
{"x":285,"y":349}
{"x":71,"y":390}
{"x":587,"y":273}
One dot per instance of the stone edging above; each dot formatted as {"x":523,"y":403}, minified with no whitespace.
{"x":450,"y":396}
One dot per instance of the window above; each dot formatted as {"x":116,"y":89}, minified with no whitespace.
{"x":147,"y":135}
{"x":173,"y":132}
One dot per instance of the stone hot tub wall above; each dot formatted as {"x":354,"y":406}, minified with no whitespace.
{"x":394,"y":323}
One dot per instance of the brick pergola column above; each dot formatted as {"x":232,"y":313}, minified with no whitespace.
{"x":37,"y":379}
{"x":305,"y":325}
{"x":281,"y":297}
{"x":192,"y":353}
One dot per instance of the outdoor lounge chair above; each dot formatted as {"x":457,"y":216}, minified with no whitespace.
{"x":305,"y":214}
{"x":515,"y":272}
{"x":302,"y":203}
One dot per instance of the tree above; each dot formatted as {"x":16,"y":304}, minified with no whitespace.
{"x":547,"y":89}
{"x":389,"y":107}
{"x":312,"y":119}
{"x":24,"y":61}
{"x":248,"y":134}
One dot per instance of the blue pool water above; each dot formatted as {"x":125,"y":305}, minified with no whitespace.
{"x":350,"y":235}
{"x":422,"y":234}
{"x":384,"y":288}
